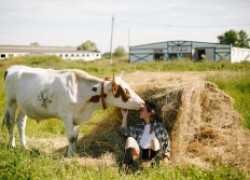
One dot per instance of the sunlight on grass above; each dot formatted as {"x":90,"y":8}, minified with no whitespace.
{"x":17,"y":163}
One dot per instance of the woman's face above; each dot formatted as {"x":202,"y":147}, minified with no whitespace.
{"x":144,"y":114}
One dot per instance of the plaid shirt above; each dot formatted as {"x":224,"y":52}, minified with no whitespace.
{"x":161,"y":134}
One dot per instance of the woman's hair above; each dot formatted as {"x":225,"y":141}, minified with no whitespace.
{"x":151,"y":108}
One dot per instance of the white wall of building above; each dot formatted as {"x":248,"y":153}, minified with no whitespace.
{"x":5,"y":55}
{"x":67,"y":53}
{"x":240,"y":54}
{"x":86,"y":56}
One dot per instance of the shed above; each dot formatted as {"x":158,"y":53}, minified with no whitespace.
{"x":187,"y":49}
{"x":67,"y":53}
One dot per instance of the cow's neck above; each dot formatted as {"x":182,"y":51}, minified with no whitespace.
{"x":89,"y":107}
{"x":85,"y":113}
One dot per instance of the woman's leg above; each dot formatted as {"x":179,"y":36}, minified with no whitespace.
{"x":132,"y":143}
{"x":155,"y":150}
{"x":154,"y":144}
{"x":132,"y":150}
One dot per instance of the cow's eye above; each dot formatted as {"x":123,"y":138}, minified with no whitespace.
{"x":94,"y":89}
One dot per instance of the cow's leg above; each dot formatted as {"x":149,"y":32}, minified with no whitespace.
{"x":72,"y":134}
{"x":21,"y":121}
{"x":10,"y":121}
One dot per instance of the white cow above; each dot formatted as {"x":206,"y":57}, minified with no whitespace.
{"x":71,"y":95}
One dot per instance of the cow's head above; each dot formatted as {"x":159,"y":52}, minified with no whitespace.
{"x":116,"y":92}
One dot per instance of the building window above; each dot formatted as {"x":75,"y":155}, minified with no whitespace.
{"x":83,"y":55}
{"x":11,"y":55}
{"x":77,"y":55}
{"x":66,"y":55}
{"x":87,"y":55}
{"x":97,"y":55}
{"x":3,"y":55}
{"x":72,"y":55}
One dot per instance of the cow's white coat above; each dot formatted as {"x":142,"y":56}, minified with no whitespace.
{"x":64,"y":94}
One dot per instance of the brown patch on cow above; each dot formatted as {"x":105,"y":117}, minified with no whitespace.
{"x":126,"y":96}
{"x":119,"y":91}
{"x":96,"y":98}
{"x":5,"y":74}
{"x":107,"y":79}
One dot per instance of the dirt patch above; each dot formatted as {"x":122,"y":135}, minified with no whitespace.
{"x":48,"y":144}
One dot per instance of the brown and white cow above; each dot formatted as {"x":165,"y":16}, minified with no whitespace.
{"x":71,"y":95}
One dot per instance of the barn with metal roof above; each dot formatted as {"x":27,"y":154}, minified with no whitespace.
{"x":192,"y":50}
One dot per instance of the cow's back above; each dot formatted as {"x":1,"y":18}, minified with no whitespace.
{"x":34,"y":90}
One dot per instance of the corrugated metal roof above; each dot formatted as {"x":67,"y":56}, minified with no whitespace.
{"x":178,"y":41}
{"x":40,"y":49}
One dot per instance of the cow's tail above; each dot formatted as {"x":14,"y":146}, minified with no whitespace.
{"x":6,"y":120}
{"x":5,"y":74}
{"x":6,"y":117}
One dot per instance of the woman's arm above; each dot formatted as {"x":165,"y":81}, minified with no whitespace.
{"x":124,"y":117}
{"x":123,"y":128}
{"x":166,"y":146}
{"x":162,"y":135}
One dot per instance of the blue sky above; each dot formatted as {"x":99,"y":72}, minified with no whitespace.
{"x":71,"y":22}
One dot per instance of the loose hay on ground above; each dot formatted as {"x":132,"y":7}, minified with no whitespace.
{"x":203,"y":125}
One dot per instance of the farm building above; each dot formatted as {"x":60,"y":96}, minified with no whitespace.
{"x":67,"y":53}
{"x":187,"y":49}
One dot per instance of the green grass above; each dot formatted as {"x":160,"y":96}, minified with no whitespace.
{"x":37,"y":164}
{"x":103,"y":68}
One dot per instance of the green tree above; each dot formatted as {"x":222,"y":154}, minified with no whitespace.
{"x":106,"y":55}
{"x":87,"y":46}
{"x":34,"y":44}
{"x":243,"y":39}
{"x":229,"y":37}
{"x":120,"y":51}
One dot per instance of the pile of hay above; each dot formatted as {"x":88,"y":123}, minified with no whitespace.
{"x":203,"y":125}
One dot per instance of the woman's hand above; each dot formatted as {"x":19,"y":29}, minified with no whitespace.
{"x":124,"y":113}
{"x":166,"y":160}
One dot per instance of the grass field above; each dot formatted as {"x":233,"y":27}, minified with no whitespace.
{"x":36,"y":163}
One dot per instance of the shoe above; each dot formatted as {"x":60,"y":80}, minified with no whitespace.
{"x":128,"y":159}
{"x":156,"y":160}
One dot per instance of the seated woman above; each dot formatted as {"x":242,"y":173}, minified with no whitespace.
{"x":148,"y":139}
